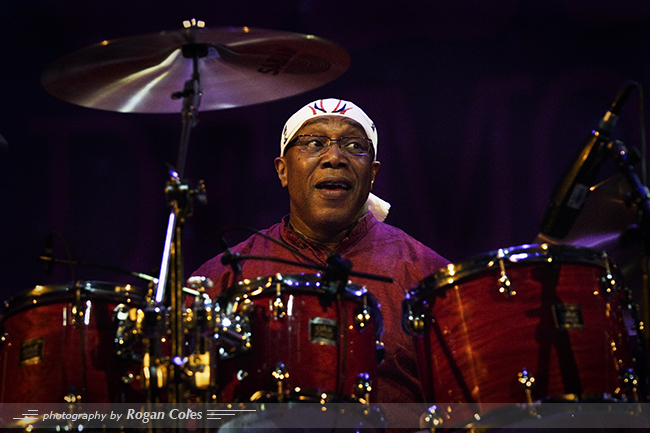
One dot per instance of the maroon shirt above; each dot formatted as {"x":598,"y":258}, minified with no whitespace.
{"x":373,"y":247}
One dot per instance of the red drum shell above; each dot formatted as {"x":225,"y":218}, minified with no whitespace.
{"x":475,"y":341}
{"x":314,"y":365}
{"x":59,"y":343}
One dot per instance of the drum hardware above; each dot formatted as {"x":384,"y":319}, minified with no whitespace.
{"x":200,"y":330}
{"x":630,"y":384}
{"x":279,"y":374}
{"x":505,"y":285}
{"x":279,"y":309}
{"x":527,"y":383}
{"x":431,"y":419}
{"x":363,"y":388}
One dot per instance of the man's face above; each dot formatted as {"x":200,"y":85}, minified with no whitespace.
{"x":327,"y":192}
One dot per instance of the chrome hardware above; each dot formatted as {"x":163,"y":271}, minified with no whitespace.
{"x":380,"y":351}
{"x":279,"y":309}
{"x":609,"y":283}
{"x":362,"y":388}
{"x":154,"y":372}
{"x":362,"y":318}
{"x":629,"y":383}
{"x":431,"y":419}
{"x":241,"y":375}
{"x":414,"y":322}
{"x":128,"y":332}
{"x":128,"y":379}
{"x":527,"y":382}
{"x":200,"y":284}
{"x":198,"y":368}
{"x":72,"y":397}
{"x":505,"y":285}
{"x":233,"y":331}
{"x":279,"y":374}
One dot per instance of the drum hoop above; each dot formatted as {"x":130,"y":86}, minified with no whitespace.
{"x":305,"y":283}
{"x":53,"y":293}
{"x":512,"y":256}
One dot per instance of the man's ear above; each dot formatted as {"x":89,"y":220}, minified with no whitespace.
{"x":281,"y":168}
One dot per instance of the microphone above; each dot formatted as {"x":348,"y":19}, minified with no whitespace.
{"x":49,"y":254}
{"x":571,"y":193}
{"x":229,"y":258}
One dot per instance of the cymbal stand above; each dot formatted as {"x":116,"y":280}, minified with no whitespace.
{"x":179,"y":196}
{"x":641,"y":198}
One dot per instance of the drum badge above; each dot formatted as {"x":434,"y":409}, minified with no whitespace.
{"x":568,"y":316}
{"x":323,"y":331}
{"x":31,"y":351}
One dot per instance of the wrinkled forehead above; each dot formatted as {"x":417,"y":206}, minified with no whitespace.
{"x":346,"y":125}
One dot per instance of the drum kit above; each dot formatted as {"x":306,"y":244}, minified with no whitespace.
{"x":547,"y":322}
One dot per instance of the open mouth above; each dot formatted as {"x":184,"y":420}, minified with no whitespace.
{"x":334,"y":185}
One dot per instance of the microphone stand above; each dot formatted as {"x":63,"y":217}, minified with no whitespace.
{"x":641,"y":198}
{"x":179,"y":196}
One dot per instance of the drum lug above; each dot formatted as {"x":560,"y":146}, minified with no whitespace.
{"x":198,"y":369}
{"x":527,"y":382}
{"x":279,"y":309}
{"x":629,"y":383}
{"x":128,"y":331}
{"x":363,"y":317}
{"x":505,"y":285}
{"x":411,"y":322}
{"x":380,"y":351}
{"x":72,"y":397}
{"x":233,"y":333}
{"x":608,"y":281}
{"x":154,"y":373}
{"x":279,"y":374}
{"x":431,"y":419}
{"x":363,"y":387}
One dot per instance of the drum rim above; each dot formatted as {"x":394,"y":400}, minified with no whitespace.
{"x":534,"y":253}
{"x":248,"y":286}
{"x":51,"y":293}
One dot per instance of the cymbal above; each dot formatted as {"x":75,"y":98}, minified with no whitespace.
{"x":608,"y":222}
{"x":243,"y":66}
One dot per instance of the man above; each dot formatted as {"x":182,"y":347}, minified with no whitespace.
{"x":328,"y":164}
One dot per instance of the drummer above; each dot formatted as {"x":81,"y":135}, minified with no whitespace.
{"x":328,"y":163}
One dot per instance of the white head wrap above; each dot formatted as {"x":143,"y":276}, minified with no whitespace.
{"x":337,"y":107}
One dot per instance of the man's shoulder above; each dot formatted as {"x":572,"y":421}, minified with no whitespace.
{"x":390,"y":235}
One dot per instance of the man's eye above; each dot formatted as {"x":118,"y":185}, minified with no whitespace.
{"x":314,"y":143}
{"x":353,"y":145}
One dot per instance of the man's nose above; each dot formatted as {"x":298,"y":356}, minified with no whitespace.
{"x":334,"y":156}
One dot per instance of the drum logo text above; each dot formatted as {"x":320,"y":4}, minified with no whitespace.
{"x":31,"y":351}
{"x":323,"y":331}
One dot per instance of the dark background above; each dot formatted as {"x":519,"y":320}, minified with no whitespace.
{"x":480,"y":107}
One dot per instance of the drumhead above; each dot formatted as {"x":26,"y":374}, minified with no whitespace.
{"x":48,"y":294}
{"x":512,"y":256}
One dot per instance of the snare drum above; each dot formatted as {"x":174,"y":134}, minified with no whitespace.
{"x":298,"y":338}
{"x":58,"y":345}
{"x":522,"y":324}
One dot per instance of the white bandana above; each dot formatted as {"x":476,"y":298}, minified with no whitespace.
{"x":337,"y":107}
